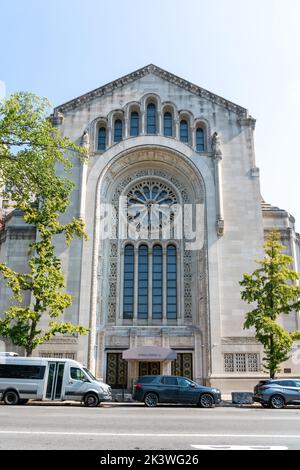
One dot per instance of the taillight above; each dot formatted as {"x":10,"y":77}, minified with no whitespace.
{"x":137,"y":386}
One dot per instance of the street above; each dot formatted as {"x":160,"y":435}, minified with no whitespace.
{"x":130,"y":427}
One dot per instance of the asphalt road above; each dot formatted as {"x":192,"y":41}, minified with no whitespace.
{"x":132,"y":426}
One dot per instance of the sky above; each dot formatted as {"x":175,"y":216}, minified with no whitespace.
{"x":247,"y":52}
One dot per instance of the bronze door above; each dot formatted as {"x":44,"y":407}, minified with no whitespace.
{"x":116,"y":371}
{"x":149,"y":368}
{"x":183,"y":365}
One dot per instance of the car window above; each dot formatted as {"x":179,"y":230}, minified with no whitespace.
{"x":297,"y":383}
{"x":169,"y":381}
{"x":288,"y":383}
{"x":281,"y":383}
{"x":77,"y":374}
{"x":183,"y":382}
{"x":146,"y":379}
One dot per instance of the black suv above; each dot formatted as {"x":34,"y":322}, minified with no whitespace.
{"x":154,"y":389}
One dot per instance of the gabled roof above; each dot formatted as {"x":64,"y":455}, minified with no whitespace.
{"x":152,"y":69}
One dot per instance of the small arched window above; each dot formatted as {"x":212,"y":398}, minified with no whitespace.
{"x":102,"y":138}
{"x":168,"y":124}
{"x":134,"y":124}
{"x":118,"y":130}
{"x":128,"y":294}
{"x":184,"y":131}
{"x":151,"y":118}
{"x":200,"y":144}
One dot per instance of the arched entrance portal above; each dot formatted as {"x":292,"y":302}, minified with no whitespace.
{"x":151,"y":280}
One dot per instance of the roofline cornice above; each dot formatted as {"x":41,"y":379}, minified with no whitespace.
{"x":151,"y":69}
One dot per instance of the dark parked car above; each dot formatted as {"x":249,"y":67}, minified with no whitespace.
{"x":277,"y":393}
{"x":154,"y":389}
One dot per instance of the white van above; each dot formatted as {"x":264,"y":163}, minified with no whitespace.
{"x":23,"y":379}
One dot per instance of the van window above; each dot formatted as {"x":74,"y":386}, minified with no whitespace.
{"x":77,"y":374}
{"x":16,"y":371}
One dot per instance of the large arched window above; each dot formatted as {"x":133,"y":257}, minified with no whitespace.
{"x":128,"y":290}
{"x":168,"y":124}
{"x":157,"y":283}
{"x":171,"y":282}
{"x":200,"y":143}
{"x":143,"y":283}
{"x":184,"y":131}
{"x":118,"y":130}
{"x":134,"y":124}
{"x":150,"y":266}
{"x":151,"y":118}
{"x":156,"y":287}
{"x":102,"y":138}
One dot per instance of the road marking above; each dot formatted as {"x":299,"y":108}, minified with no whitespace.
{"x":224,"y":447}
{"x":120,"y":434}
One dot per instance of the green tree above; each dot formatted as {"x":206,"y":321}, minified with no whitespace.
{"x":31,"y":152}
{"x":273,"y":288}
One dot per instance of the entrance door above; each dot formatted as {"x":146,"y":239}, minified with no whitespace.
{"x":55,"y":381}
{"x":149,"y":368}
{"x":116,"y":370}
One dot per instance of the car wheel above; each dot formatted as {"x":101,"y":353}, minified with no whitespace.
{"x":91,"y":400}
{"x":151,"y":400}
{"x":11,"y":398}
{"x":277,"y":402}
{"x":206,"y":401}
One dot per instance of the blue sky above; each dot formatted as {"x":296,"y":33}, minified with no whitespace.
{"x":248,"y":52}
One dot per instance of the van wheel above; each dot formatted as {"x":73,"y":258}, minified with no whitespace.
{"x":206,"y":401}
{"x":151,"y":400}
{"x":11,"y":398}
{"x":91,"y":400}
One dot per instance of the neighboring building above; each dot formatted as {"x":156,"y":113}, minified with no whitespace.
{"x":156,"y":140}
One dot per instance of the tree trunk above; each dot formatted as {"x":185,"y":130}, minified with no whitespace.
{"x":272,"y":371}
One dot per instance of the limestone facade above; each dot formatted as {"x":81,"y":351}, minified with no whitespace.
{"x":203,"y":156}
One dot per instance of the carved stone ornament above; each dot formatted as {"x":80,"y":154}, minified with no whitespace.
{"x":220,"y":227}
{"x":85,"y":141}
{"x":216,"y":146}
{"x":57,"y":118}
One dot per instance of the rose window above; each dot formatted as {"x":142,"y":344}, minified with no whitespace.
{"x":151,"y":205}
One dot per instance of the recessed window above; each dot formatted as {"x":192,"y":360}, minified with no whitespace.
{"x":143,"y":283}
{"x":171,"y":282}
{"x":128,"y":282}
{"x":200,"y":144}
{"x":168,"y":125}
{"x":102,"y":138}
{"x":184,"y":131}
{"x":118,"y":130}
{"x":151,"y":118}
{"x":157,"y":283}
{"x":134,"y":124}
{"x":241,"y":362}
